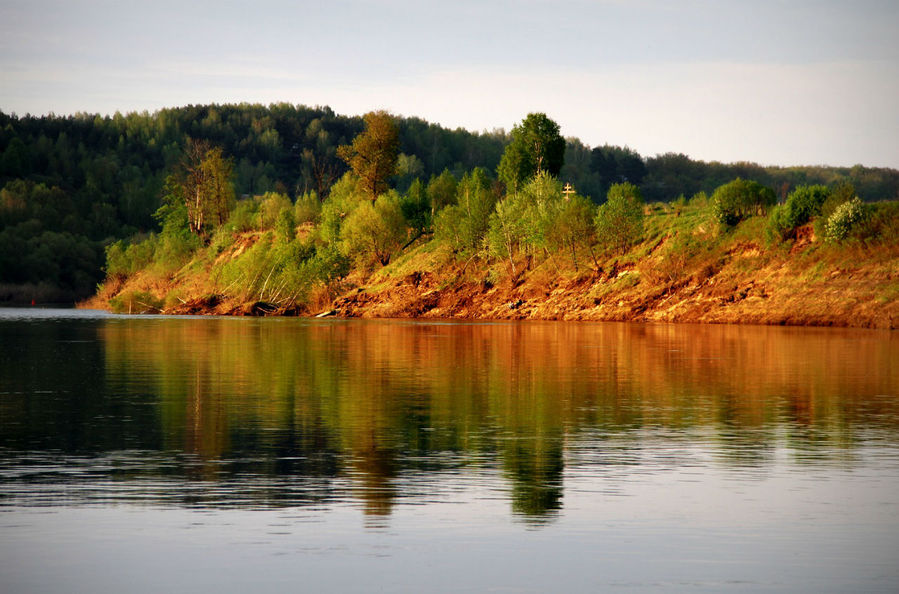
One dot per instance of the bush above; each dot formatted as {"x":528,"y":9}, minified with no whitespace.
{"x":136,"y":302}
{"x":847,"y":216}
{"x":464,"y":224}
{"x":271,"y":205}
{"x":573,"y":227}
{"x":346,"y":195}
{"x":286,"y":226}
{"x":801,"y":205}
{"x":174,"y":249}
{"x":373,"y":232}
{"x":734,"y":201}
{"x":308,"y":208}
{"x":619,"y":221}
{"x":124,"y":259}
{"x":241,"y":218}
{"x":841,"y":192}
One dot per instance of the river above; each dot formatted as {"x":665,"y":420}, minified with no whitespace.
{"x":178,"y":454}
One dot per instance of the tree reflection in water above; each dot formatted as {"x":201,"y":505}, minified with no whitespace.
{"x":292,"y":412}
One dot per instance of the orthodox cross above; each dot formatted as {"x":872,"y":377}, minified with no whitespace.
{"x":568,"y":191}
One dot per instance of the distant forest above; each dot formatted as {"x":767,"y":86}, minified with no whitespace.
{"x":72,"y":185}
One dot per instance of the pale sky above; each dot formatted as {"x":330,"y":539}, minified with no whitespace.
{"x":792,"y":82}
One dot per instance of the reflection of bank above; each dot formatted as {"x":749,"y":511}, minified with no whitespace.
{"x":534,"y":467}
{"x":374,"y":470}
{"x":291,"y":404}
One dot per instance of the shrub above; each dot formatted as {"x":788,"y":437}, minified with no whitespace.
{"x":507,"y":227}
{"x":123,"y":259}
{"x":373,"y":232}
{"x":271,"y":204}
{"x":844,"y":218}
{"x":573,"y":227}
{"x":464,"y":224}
{"x":174,"y":249}
{"x":286,"y":226}
{"x":346,"y":195}
{"x":801,"y":205}
{"x":308,"y":208}
{"x":136,"y":302}
{"x":736,"y":200}
{"x":241,"y":218}
{"x":842,"y":191}
{"x":619,"y":221}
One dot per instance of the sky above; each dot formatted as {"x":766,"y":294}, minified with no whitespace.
{"x":777,"y":82}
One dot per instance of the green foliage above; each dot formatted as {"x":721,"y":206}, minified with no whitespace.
{"x":308,"y":208}
{"x":243,"y":217}
{"x":136,"y":302}
{"x":442,"y":191}
{"x":614,"y":164}
{"x":81,"y":182}
{"x":736,"y":200}
{"x":163,"y":253}
{"x":280,"y":272}
{"x":202,"y":182}
{"x":538,"y":220}
{"x":536,"y":147}
{"x":619,"y":221}
{"x":416,"y":207}
{"x":373,"y":154}
{"x":801,"y":206}
{"x":124,"y":258}
{"x":271,"y":205}
{"x":408,"y":169}
{"x":464,"y":224}
{"x":842,"y":192}
{"x":346,"y":195}
{"x":373,"y":232}
{"x":509,"y":227}
{"x":286,"y":226}
{"x":573,"y":227}
{"x":846,"y":217}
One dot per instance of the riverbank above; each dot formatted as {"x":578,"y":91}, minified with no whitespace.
{"x":737,"y":279}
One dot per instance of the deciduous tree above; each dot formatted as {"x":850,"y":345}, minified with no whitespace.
{"x":536,"y":147}
{"x":373,"y":154}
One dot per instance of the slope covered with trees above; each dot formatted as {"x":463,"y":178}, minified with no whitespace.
{"x":73,"y":187}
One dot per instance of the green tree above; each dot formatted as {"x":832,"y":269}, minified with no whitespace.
{"x":203,"y":184}
{"x":464,"y":224}
{"x":415,"y":207}
{"x":736,"y":200}
{"x":573,"y":227}
{"x":374,"y":231}
{"x":619,"y":221}
{"x":801,"y":205}
{"x":373,"y":154}
{"x":536,"y":147}
{"x":442,"y":191}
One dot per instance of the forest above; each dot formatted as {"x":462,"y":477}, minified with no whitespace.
{"x":87,"y":196}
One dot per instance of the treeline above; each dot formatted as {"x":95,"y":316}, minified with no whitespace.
{"x":72,"y":185}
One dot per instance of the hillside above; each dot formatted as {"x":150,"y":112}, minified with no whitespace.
{"x":72,"y":185}
{"x":685,"y":269}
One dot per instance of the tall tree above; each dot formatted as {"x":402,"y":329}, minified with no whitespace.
{"x":203,"y":182}
{"x":536,"y":147}
{"x":373,"y":154}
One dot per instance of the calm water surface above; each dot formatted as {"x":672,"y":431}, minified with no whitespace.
{"x":148,"y":454}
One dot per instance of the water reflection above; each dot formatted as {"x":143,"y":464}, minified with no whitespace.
{"x":261,"y":413}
